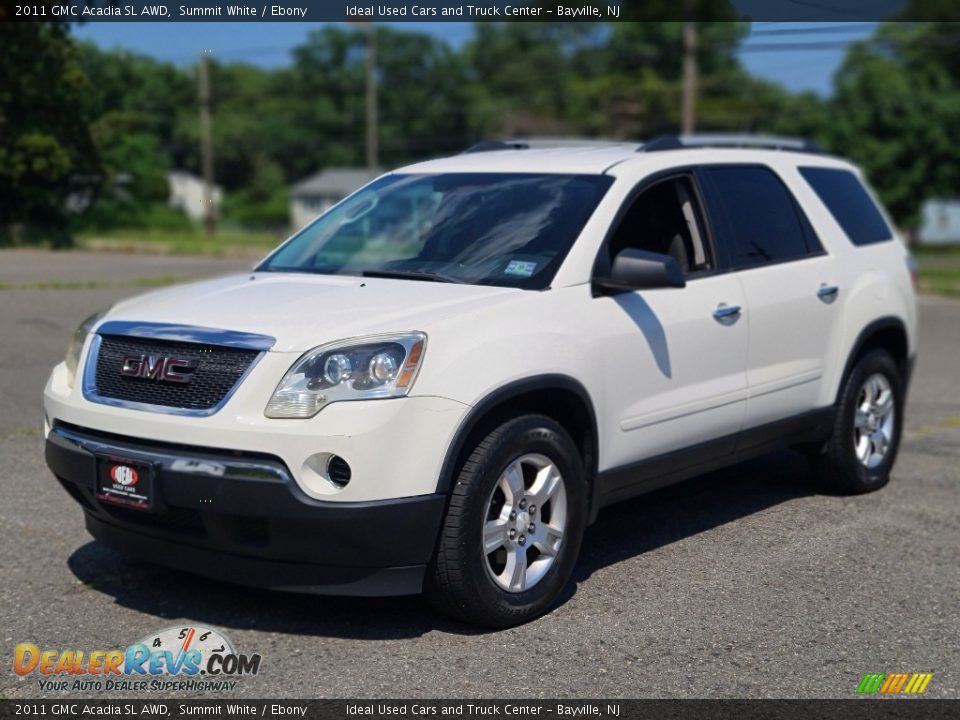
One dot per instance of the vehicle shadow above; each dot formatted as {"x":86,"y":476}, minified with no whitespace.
{"x":623,"y":531}
{"x":681,"y":511}
{"x":649,"y":324}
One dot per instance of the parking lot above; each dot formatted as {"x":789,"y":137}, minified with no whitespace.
{"x":749,"y":582}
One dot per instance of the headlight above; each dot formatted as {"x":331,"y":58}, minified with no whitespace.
{"x":380,"y":366}
{"x":72,"y":360}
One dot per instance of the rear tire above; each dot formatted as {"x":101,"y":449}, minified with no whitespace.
{"x":861,"y":452}
{"x":514,"y":527}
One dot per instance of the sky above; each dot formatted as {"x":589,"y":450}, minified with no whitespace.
{"x":802,"y":56}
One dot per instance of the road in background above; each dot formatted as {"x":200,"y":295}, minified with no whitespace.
{"x":747,"y":582}
{"x":45,"y":295}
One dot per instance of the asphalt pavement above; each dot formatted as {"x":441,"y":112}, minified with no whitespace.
{"x":749,"y":582}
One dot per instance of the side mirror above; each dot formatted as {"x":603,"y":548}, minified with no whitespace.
{"x":634,"y":269}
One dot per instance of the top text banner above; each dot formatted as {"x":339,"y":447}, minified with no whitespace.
{"x":454,"y":11}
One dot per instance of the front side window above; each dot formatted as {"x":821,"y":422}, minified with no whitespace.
{"x":506,"y":229}
{"x":665,"y":218}
{"x":756,"y":217}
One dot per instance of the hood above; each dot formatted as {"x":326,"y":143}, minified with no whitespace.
{"x":302,"y":311}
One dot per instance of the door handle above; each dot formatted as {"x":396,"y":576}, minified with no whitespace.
{"x":726,"y":313}
{"x":828,"y":293}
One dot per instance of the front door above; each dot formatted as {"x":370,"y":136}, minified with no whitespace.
{"x":675,"y":358}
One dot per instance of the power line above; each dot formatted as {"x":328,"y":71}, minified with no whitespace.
{"x":266,"y":50}
{"x":793,"y":46}
{"x":888,"y":42}
{"x":822,"y":30}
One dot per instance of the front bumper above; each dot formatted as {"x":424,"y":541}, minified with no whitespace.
{"x":395,"y":447}
{"x":240,"y":517}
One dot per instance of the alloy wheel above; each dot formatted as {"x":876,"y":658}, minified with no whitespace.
{"x":525,"y":523}
{"x":874,"y":421}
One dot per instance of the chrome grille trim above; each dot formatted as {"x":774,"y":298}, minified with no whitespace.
{"x":170,"y":333}
{"x":187,"y":334}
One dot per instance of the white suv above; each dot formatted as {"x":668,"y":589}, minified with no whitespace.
{"x":438,"y":384}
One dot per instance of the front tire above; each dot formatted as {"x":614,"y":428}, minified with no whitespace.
{"x":514,"y":527}
{"x":866,"y":435}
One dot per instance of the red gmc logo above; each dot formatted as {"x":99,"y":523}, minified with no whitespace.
{"x":158,"y":367}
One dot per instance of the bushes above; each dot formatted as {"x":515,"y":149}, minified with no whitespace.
{"x":263,"y":203}
{"x":112,"y":214}
{"x":50,"y":235}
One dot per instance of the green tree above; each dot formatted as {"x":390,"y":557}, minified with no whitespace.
{"x":261,"y":203}
{"x":896,"y":112}
{"x":245,"y":122}
{"x":520,"y":75}
{"x":422,"y":97}
{"x":615,"y":80}
{"x":134,"y":168}
{"x":47,"y":153}
{"x":422,"y":107}
{"x":160,"y":93}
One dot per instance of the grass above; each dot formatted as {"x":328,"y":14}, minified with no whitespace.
{"x":936,"y":251}
{"x":140,"y":282}
{"x":923,"y":431}
{"x":939,"y":266}
{"x":31,"y":431}
{"x":226,"y":243}
{"x":939,"y":271}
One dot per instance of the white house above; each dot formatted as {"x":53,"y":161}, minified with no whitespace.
{"x":315,"y":194}
{"x":186,"y":194}
{"x":940,"y":223}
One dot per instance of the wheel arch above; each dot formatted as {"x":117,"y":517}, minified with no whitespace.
{"x":559,"y":397}
{"x":887,"y":333}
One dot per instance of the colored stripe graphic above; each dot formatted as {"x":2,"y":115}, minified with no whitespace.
{"x":894,"y":683}
{"x":901,"y":682}
{"x":871,"y":683}
{"x":918,"y":683}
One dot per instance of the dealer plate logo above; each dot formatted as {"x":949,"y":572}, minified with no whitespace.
{"x":124,"y":475}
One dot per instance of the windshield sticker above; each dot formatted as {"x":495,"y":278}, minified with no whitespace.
{"x":520,"y":268}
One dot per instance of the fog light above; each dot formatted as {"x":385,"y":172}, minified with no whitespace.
{"x":338,"y":470}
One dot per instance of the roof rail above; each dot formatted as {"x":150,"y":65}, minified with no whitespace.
{"x":549,"y":143}
{"x":720,"y":140}
{"x":493,"y":145}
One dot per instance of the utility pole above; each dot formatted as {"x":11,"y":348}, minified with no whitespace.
{"x":206,"y":144}
{"x":689,"y":117}
{"x":373,"y":130}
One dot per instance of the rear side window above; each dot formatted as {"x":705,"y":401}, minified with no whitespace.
{"x":849,"y":203}
{"x":756,"y":217}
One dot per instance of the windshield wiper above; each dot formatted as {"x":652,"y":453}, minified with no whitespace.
{"x":413,"y":275}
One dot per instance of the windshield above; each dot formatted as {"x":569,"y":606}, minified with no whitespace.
{"x":502,"y":229}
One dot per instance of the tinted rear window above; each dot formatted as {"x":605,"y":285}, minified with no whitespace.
{"x":849,"y":203}
{"x":763,"y":224}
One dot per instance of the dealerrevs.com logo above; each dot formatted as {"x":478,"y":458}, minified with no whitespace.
{"x":175,"y":659}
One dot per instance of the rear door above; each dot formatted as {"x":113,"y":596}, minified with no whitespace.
{"x":790,"y":285}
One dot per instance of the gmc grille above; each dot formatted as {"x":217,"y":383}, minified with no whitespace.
{"x":218,"y":369}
